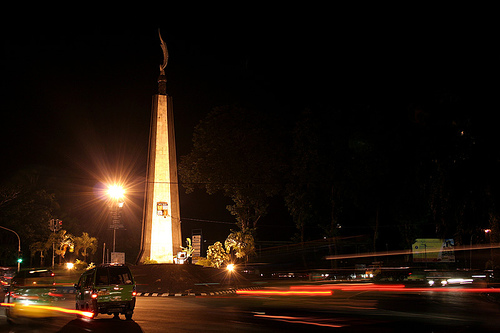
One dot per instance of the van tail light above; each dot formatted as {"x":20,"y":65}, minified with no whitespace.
{"x":134,"y":291}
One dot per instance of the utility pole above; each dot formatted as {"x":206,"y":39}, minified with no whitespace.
{"x":116,"y":212}
{"x":54,"y":225}
{"x":116,"y":193}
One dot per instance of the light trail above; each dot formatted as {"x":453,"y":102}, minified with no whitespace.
{"x":447,"y":290}
{"x":347,"y":286}
{"x":328,"y":289}
{"x":53,"y":308}
{"x":407,"y":252}
{"x":393,"y":287}
{"x":298,"y":320}
{"x":285,"y":292}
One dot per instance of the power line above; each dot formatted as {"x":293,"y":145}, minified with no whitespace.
{"x":207,"y":221}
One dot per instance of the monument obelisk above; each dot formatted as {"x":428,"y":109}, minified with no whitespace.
{"x":161,"y":226}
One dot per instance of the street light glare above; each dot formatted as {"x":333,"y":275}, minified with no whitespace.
{"x":116,"y":191}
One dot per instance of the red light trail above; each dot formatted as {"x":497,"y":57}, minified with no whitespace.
{"x":285,"y":292}
{"x":328,"y":289}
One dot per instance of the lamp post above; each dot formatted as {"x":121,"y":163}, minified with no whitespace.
{"x":54,"y":225}
{"x":488,"y":232}
{"x":230,"y":269}
{"x":116,"y":193}
{"x":19,"y":246}
{"x":470,"y":253}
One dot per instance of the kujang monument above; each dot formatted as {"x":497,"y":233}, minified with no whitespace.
{"x":161,"y":225}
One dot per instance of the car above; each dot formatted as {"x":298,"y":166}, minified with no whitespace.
{"x":6,"y":275}
{"x":31,"y":294}
{"x":107,"y":289}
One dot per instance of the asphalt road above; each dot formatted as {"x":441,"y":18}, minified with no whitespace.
{"x":343,"y":311}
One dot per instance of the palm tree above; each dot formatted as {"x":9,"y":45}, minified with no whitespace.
{"x":62,"y":242}
{"x":85,"y":244}
{"x":240,"y":244}
{"x":38,"y":247}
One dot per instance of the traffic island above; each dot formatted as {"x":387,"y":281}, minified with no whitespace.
{"x":185,"y":280}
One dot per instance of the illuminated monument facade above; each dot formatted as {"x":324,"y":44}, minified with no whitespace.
{"x":161,"y":227}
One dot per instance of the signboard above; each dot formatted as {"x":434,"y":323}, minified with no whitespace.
{"x":115,"y":219}
{"x":196,"y":244}
{"x":118,"y":257}
{"x":433,"y":250}
{"x":116,"y":224}
{"x":162,"y":209}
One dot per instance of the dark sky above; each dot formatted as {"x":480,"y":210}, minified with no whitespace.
{"x":77,"y":96}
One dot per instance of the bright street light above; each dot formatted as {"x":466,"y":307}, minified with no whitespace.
{"x":116,"y":192}
{"x":230,"y":271}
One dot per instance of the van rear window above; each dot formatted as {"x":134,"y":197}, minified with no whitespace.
{"x":101,"y":278}
{"x":120,"y":275}
{"x":113,"y":275}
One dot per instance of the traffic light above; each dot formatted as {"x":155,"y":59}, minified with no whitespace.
{"x":20,"y":257}
{"x":55,"y":225}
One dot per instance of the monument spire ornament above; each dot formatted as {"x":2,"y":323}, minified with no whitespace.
{"x":162,"y":80}
{"x":165,"y":54}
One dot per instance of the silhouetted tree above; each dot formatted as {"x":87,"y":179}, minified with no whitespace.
{"x":235,"y":152}
{"x":26,"y":207}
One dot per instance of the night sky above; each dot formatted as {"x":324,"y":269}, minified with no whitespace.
{"x":76,"y":98}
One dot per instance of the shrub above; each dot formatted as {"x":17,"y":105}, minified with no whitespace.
{"x":149,"y":261}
